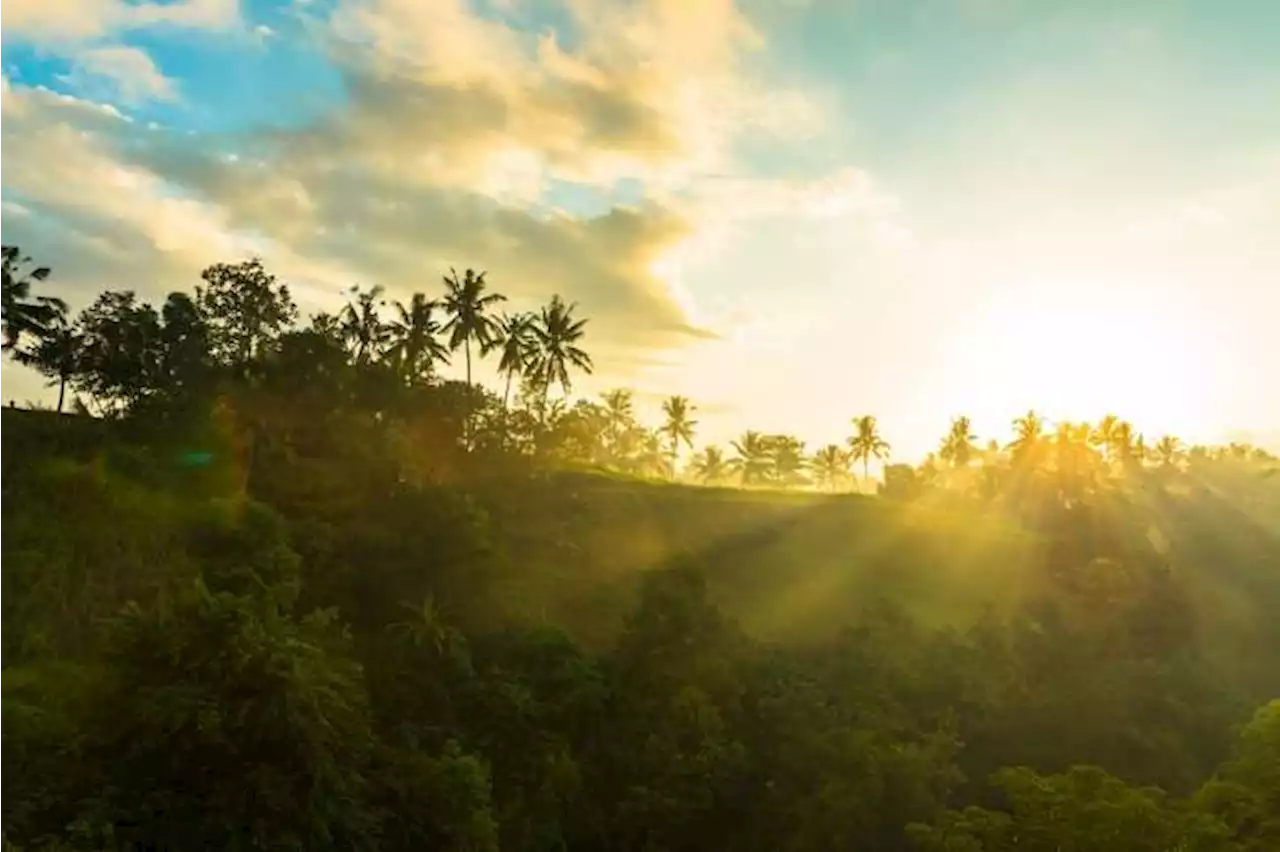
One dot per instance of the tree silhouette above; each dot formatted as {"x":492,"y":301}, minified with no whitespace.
{"x":56,"y":355}
{"x":558,"y":333}
{"x":1028,"y":439}
{"x":958,"y":447}
{"x":866,"y":443}
{"x":753,"y":460}
{"x":517,"y":343}
{"x":710,"y":465}
{"x":411,"y":338}
{"x":678,"y":426}
{"x":467,"y":305}
{"x":245,"y":310}
{"x":21,"y":314}
{"x":1104,"y":434}
{"x":362,"y":327}
{"x":1168,"y":451}
{"x":830,"y":466}
{"x":788,"y":459}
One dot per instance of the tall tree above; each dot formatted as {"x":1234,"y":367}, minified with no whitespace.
{"x":245,"y":308}
{"x":678,"y":426}
{"x":120,"y":351}
{"x":753,"y":461}
{"x":710,"y":465}
{"x":958,"y":448}
{"x":1104,"y":434}
{"x":518,"y":346}
{"x":1028,"y":439}
{"x":467,"y":305}
{"x":830,"y":466}
{"x":21,"y":314}
{"x":1168,"y":451}
{"x":412,"y":339}
{"x":866,"y":443}
{"x":786,"y":454}
{"x":56,"y":355}
{"x":362,"y":325}
{"x":558,"y":334}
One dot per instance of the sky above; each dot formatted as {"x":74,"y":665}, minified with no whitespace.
{"x":794,"y":212}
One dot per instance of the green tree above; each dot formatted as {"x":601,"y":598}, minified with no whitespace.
{"x":753,"y":460}
{"x":1027,"y":446}
{"x":1245,"y":791}
{"x":959,"y":447}
{"x":710,"y":465}
{"x":467,"y":306}
{"x":414,"y":347}
{"x":558,"y":336}
{"x":120,"y":350}
{"x":1168,"y":452}
{"x":246,"y":310}
{"x":56,"y":354}
{"x":678,"y":426}
{"x":866,"y":443}
{"x":23,"y":315}
{"x":830,"y":466}
{"x":362,"y":326}
{"x":515,"y":338}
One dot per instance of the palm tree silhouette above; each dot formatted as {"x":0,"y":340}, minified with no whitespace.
{"x":752,"y":461}
{"x":958,"y":447}
{"x":1028,"y":438}
{"x":830,"y":465}
{"x":412,"y":339}
{"x":866,"y":443}
{"x":710,"y":465}
{"x":1104,"y":434}
{"x":1168,"y":451}
{"x":557,"y":334}
{"x":788,"y":460}
{"x":515,"y":338}
{"x":361,"y":325}
{"x":678,"y":426}
{"x":20,"y":315}
{"x":467,"y":305}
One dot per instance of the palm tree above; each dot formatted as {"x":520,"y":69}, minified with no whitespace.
{"x":18,"y":313}
{"x":467,"y":305}
{"x":1028,"y":438}
{"x":830,"y":466}
{"x":557,"y":334}
{"x":1168,"y":451}
{"x":361,"y":325}
{"x":752,"y":461}
{"x":516,"y":340}
{"x":1104,"y":434}
{"x":866,"y":443}
{"x":679,"y":426}
{"x":710,"y":465}
{"x":958,"y":447}
{"x":786,"y":453}
{"x":412,"y":338}
{"x":57,"y":355}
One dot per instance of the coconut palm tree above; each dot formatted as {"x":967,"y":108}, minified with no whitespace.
{"x":958,"y":447}
{"x":710,"y":465}
{"x":19,"y":314}
{"x":1028,"y":439}
{"x":362,"y":327}
{"x":866,"y":443}
{"x":412,"y":338}
{"x":1168,"y":451}
{"x":57,"y":355}
{"x":753,"y":457}
{"x":515,"y":339}
{"x":557,"y":334}
{"x":830,"y":466}
{"x":678,"y":426}
{"x":619,"y":418}
{"x":786,"y":453}
{"x":467,"y":305}
{"x":1104,"y":434}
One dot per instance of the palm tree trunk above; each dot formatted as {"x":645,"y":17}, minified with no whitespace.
{"x":866,"y":469}
{"x":506,"y":393}
{"x":62,"y":391}
{"x":466,"y":424}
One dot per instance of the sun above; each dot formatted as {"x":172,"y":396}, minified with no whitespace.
{"x":1076,"y":353}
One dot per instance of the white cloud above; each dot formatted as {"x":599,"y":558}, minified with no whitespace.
{"x":124,"y":74}
{"x":52,"y":22}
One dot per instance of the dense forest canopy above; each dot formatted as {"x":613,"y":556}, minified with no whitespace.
{"x":278,"y":584}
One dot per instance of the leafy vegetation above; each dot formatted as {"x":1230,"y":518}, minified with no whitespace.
{"x":291,"y":589}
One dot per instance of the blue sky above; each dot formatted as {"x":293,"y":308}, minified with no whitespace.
{"x":795,"y":212}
